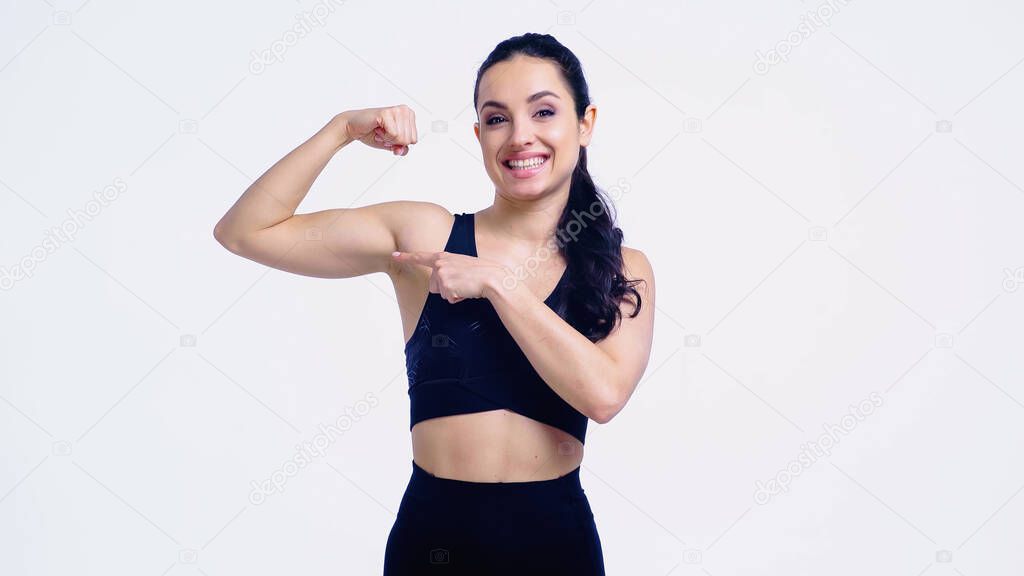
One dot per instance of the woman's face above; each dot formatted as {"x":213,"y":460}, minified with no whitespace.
{"x":527,"y":117}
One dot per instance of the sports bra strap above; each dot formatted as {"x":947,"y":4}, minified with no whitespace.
{"x":460,"y":240}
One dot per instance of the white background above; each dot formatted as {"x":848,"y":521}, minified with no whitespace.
{"x":818,"y":235}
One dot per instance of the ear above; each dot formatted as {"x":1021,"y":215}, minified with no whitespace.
{"x":587,"y":125}
{"x":476,"y":130}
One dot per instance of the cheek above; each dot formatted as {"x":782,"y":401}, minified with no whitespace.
{"x":489,"y":148}
{"x":565,"y":144}
{"x":562,"y":138}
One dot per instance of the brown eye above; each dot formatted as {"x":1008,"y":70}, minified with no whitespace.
{"x":496,"y":117}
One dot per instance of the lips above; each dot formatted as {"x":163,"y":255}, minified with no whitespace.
{"x":525,"y":173}
{"x":524,"y":156}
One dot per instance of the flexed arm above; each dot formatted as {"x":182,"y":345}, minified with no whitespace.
{"x":338,"y":243}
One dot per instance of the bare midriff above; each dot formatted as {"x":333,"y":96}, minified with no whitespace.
{"x":494,"y":446}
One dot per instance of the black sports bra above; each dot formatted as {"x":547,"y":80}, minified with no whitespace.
{"x":460,"y":358}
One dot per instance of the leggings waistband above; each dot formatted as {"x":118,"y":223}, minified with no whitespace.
{"x":426,"y":485}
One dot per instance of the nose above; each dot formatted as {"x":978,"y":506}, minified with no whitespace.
{"x":522,"y":134}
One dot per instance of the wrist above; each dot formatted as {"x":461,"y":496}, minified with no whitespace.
{"x":337,"y":128}
{"x":494,"y":285}
{"x":504,"y":286}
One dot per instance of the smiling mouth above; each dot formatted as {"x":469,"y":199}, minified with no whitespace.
{"x":531,"y":163}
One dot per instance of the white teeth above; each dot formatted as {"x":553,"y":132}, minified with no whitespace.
{"x":523,"y":164}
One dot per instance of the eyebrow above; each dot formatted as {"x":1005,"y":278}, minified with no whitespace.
{"x":533,"y":97}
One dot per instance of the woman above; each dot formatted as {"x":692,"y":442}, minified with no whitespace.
{"x":522,"y":321}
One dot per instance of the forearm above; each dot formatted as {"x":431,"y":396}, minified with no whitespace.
{"x":573,"y":366}
{"x":275,"y":196}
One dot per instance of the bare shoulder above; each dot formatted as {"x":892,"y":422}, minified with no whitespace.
{"x":638,"y":267}
{"x":420,"y":225}
{"x":412,"y":216}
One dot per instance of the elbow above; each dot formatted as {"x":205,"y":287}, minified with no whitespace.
{"x":224,"y":239}
{"x":607,"y":408}
{"x":604,"y":414}
{"x":218,"y":232}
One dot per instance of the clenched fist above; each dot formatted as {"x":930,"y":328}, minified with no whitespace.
{"x":388,"y":128}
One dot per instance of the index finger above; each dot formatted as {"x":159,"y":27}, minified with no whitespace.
{"x":417,"y":257}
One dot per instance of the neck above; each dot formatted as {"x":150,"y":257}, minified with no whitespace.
{"x":529,"y":224}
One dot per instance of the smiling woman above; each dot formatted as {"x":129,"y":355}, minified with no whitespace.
{"x":559,"y":123}
{"x":523,"y":321}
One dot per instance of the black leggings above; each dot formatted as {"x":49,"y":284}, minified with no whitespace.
{"x":447,"y":526}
